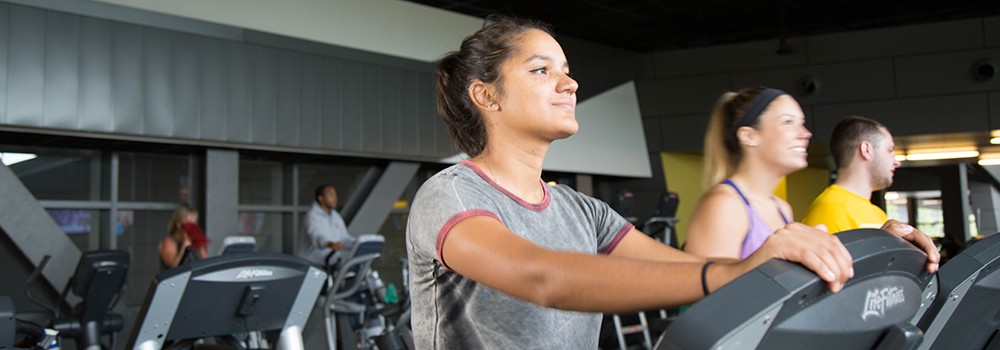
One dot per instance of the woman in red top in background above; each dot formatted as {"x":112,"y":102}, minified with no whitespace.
{"x":183,"y":232}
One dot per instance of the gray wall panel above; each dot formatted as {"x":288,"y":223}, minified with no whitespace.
{"x":654,"y":134}
{"x":157,"y":78}
{"x":938,"y":37}
{"x":428,"y":126}
{"x":409,"y":118}
{"x":371,"y":108}
{"x":677,"y":96}
{"x":288,"y":103}
{"x":25,"y":78}
{"x":352,"y":96}
{"x":4,"y":47}
{"x":991,"y":26}
{"x":444,"y":146}
{"x":62,"y":56}
{"x":214,"y":90}
{"x":849,"y":81}
{"x":720,"y":59}
{"x":95,"y":75}
{"x":85,"y":74}
{"x":683,"y":133}
{"x":391,"y":130}
{"x":994,"y":110}
{"x":238,"y":105}
{"x":222,"y":167}
{"x":186,"y":89}
{"x":126,"y":79}
{"x":311,"y":101}
{"x":912,"y":116}
{"x":943,"y":73}
{"x":265,"y":93}
{"x":332,"y":118}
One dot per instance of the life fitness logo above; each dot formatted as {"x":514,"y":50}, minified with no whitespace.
{"x":880,"y":300}
{"x":254,"y":273}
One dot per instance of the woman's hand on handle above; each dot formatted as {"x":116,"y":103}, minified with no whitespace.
{"x":819,"y":251}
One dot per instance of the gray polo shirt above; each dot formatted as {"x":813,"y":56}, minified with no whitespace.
{"x":453,"y":312}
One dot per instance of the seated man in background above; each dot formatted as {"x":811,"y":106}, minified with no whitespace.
{"x":323,"y":229}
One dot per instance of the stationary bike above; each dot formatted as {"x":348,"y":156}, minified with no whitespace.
{"x":99,"y":279}
{"x":357,"y":311}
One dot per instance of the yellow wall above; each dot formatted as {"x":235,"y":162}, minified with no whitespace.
{"x":803,"y":186}
{"x":683,"y":172}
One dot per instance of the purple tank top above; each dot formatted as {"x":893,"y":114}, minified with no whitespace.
{"x":759,"y":231}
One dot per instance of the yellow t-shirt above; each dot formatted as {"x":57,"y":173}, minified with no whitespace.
{"x":842,"y":210}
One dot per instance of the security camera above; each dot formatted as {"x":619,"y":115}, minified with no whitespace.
{"x":808,"y":85}
{"x":984,"y":70}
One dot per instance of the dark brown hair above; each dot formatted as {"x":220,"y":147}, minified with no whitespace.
{"x":849,"y":133}
{"x":479,"y":58}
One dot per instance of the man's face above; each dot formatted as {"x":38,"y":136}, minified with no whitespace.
{"x":884,"y":163}
{"x":328,"y":200}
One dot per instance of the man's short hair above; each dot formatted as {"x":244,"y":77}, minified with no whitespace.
{"x":849,"y":133}
{"x":319,"y":191}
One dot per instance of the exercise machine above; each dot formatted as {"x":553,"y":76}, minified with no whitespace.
{"x":783,"y":305}
{"x":966,"y":312}
{"x":230,"y":299}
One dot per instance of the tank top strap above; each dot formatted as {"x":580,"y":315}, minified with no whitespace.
{"x":733,"y":185}
{"x":747,"y":201}
{"x":777,"y":205}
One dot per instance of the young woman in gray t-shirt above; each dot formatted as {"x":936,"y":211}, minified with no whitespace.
{"x":499,"y":260}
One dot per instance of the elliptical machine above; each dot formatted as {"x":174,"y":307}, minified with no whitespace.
{"x":99,"y":279}
{"x":357,"y":310}
{"x":35,"y":337}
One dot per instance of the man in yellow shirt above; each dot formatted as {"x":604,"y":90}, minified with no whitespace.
{"x":863,"y":152}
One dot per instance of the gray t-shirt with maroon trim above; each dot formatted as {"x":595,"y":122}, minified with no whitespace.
{"x":453,"y":312}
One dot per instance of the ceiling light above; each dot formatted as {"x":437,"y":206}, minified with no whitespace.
{"x":934,"y":154}
{"x":989,"y":161}
{"x":995,"y":140}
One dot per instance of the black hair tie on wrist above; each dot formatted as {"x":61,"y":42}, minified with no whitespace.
{"x":704,"y":271}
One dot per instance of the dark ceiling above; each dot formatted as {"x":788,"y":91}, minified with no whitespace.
{"x":654,"y":25}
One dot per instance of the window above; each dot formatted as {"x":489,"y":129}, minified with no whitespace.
{"x":922,"y":209}
{"x":46,"y":175}
{"x":154,"y":178}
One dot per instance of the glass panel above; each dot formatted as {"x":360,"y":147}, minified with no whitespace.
{"x":140,"y":234}
{"x":266,"y":228}
{"x":394,"y":230}
{"x":897,"y":208}
{"x":45,"y":175}
{"x":262,"y":182}
{"x":153,"y":178}
{"x":930,"y":216}
{"x":83,"y":226}
{"x":346,"y":178}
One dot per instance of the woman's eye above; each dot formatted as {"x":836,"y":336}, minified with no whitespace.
{"x":542,"y":70}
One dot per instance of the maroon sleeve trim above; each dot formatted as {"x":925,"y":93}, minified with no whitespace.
{"x":618,"y":238}
{"x":454,"y":220}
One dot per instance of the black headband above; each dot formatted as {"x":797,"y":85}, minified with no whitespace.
{"x":758,"y":105}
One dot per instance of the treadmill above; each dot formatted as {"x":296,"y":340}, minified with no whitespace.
{"x":265,"y":294}
{"x":783,"y":305}
{"x":967,"y":313}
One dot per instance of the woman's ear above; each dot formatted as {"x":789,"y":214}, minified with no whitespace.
{"x":748,"y":136}
{"x":481,"y":95}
